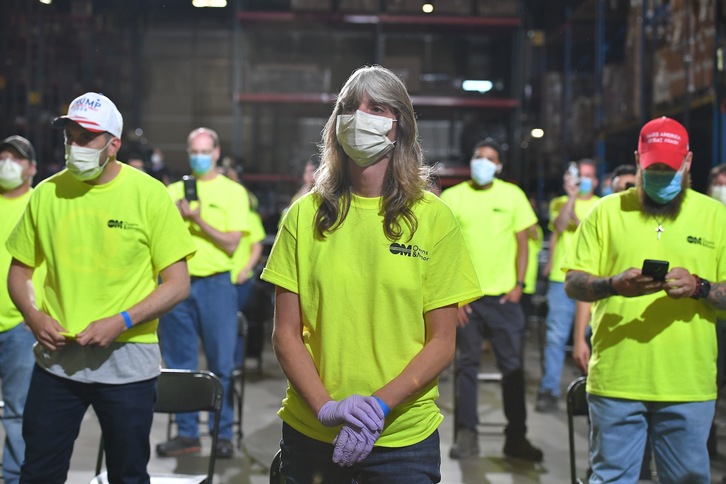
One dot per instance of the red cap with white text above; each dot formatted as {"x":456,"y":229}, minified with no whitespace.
{"x":663,"y":140}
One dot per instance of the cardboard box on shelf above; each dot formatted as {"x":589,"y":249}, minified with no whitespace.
{"x":408,"y":68}
{"x":314,"y":5}
{"x":497,"y":8}
{"x":368,"y":6}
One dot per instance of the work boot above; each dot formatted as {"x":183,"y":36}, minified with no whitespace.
{"x":518,"y":447}
{"x":225,"y":449}
{"x":467,"y":444}
{"x":179,"y":446}
{"x":546,"y":402}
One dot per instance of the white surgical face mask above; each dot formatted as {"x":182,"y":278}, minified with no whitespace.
{"x":719,"y":193}
{"x":483,"y":171}
{"x":84,"y":163}
{"x":11,"y":174}
{"x":364,"y":137}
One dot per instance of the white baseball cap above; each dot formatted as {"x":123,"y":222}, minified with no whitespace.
{"x":94,"y":112}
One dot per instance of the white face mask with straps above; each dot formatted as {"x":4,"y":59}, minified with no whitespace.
{"x":11,"y":174}
{"x":364,"y":137}
{"x":84,"y":163}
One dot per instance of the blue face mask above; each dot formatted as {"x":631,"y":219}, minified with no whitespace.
{"x":483,"y":171}
{"x":662,"y":186}
{"x":585,"y":185}
{"x":200,"y":163}
{"x":606,"y":191}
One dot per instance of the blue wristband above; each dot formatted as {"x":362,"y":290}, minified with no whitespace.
{"x":127,"y":319}
{"x":384,"y":407}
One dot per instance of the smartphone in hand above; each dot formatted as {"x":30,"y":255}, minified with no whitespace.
{"x":190,"y":188}
{"x":657,"y":269}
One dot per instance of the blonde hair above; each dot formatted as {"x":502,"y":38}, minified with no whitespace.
{"x":406,"y":177}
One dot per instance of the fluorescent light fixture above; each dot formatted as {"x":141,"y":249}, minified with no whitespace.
{"x":477,"y":86}
{"x":427,"y":7}
{"x":209,"y":3}
{"x":46,"y":2}
{"x":537,"y":132}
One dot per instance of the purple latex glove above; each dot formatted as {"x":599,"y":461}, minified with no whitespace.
{"x":356,"y":410}
{"x":352,"y":445}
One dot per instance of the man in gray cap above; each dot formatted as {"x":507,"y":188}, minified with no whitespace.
{"x":107,"y":233}
{"x":17,"y":167}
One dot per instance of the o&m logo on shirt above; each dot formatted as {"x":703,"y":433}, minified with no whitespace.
{"x":692,"y":239}
{"x":410,"y":250}
{"x":120,"y":224}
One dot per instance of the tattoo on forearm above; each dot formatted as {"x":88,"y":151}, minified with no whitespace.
{"x":586,"y":287}
{"x":717,"y":296}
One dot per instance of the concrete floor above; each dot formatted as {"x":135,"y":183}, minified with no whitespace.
{"x":264,"y":390}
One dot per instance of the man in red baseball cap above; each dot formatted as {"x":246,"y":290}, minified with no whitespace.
{"x":653,"y":261}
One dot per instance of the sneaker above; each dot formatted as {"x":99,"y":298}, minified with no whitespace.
{"x":546,"y":402}
{"x":179,"y":446}
{"x":225,"y":449}
{"x":521,"y":448}
{"x":467,"y":444}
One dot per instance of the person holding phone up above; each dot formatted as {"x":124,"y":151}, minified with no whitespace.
{"x":216,"y":211}
{"x":653,"y":365}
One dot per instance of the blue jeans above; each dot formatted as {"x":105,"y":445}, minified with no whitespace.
{"x":504,"y":324}
{"x":678,"y":432}
{"x":210,"y":312}
{"x":16,"y":366}
{"x":306,"y":460}
{"x":560,"y":317}
{"x":52,"y":420}
{"x":243,"y":294}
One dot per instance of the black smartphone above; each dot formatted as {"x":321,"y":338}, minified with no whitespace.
{"x":657,"y":269}
{"x":190,"y":188}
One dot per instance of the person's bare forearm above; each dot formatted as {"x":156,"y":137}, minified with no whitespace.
{"x":425,"y":367}
{"x":173,"y":289}
{"x":586,"y":287}
{"x":292,"y":355}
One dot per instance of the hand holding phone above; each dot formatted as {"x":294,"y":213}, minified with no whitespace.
{"x":657,"y":269}
{"x":190,"y":188}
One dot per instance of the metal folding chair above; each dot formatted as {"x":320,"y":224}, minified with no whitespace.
{"x":180,"y":391}
{"x":576,"y":407}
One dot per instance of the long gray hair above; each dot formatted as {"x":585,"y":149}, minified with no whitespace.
{"x":406,"y":177}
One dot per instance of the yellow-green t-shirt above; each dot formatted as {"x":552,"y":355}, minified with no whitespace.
{"x":242,"y":254}
{"x":362,"y":302}
{"x":225,"y":206}
{"x":11,"y":209}
{"x":534,"y":246}
{"x":490,"y":220}
{"x":582,"y":208}
{"x":653,"y":347}
{"x":103,"y":245}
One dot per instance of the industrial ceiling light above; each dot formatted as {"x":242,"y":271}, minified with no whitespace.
{"x":46,"y":2}
{"x":477,"y":86}
{"x":428,"y":7}
{"x":209,"y":3}
{"x":537,"y":132}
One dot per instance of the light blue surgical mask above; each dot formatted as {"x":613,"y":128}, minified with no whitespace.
{"x":200,"y":163}
{"x":662,"y":186}
{"x":483,"y":171}
{"x":606,"y":191}
{"x":585,"y":185}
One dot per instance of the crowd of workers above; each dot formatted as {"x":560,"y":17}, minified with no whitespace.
{"x":380,"y":285}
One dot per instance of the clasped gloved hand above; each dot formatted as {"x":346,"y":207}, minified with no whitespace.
{"x":356,"y":410}
{"x":355,"y":442}
{"x":352,"y":445}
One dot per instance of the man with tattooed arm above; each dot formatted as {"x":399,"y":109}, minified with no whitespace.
{"x":653,"y":365}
